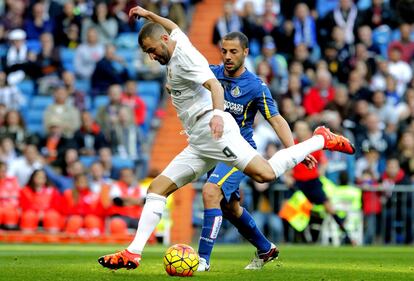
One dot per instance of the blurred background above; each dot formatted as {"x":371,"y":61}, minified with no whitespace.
{"x":86,"y":123}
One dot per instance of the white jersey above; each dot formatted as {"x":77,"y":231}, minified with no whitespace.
{"x":187,"y":71}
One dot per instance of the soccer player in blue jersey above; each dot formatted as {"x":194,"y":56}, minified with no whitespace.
{"x":244,"y":95}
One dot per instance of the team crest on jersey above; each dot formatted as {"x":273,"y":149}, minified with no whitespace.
{"x":235,"y":92}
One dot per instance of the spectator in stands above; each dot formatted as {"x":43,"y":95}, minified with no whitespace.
{"x":320,"y":94}
{"x":277,"y":62}
{"x":171,"y":10}
{"x":15,"y":129}
{"x":3,"y":111}
{"x":374,"y":136}
{"x":305,"y":28}
{"x":8,"y":151}
{"x":346,"y":17}
{"x":10,"y":95}
{"x":17,"y":55}
{"x":63,"y":164}
{"x":37,"y":24}
{"x":62,"y":113}
{"x":84,"y":8}
{"x":295,"y":90}
{"x":251,"y":27}
{"x":380,"y":13}
{"x":76,"y":96}
{"x":130,"y":97}
{"x":14,"y":17}
{"x":88,"y":54}
{"x":54,"y":144}
{"x":23,"y":167}
{"x":9,"y":199}
{"x":406,"y":153}
{"x":405,"y":43}
{"x":65,"y":180}
{"x":228,"y":22}
{"x":89,"y":137}
{"x":264,"y":71}
{"x":48,"y":64}
{"x":341,"y":102}
{"x":358,"y":87}
{"x":269,"y":19}
{"x":126,"y":138}
{"x":371,"y":205}
{"x":40,"y":204}
{"x":265,"y":204}
{"x":365,"y":37}
{"x":107,"y":115}
{"x":106,"y":26}
{"x":128,"y":199}
{"x":301,"y":55}
{"x":290,"y":111}
{"x":398,"y":206}
{"x":66,"y":23}
{"x":99,"y":184}
{"x":111,"y":69}
{"x":83,"y":209}
{"x":119,"y":10}
{"x":105,"y":157}
{"x":399,"y":69}
{"x":388,"y":114}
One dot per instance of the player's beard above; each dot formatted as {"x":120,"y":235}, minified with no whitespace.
{"x":231,"y":69}
{"x":164,"y":58}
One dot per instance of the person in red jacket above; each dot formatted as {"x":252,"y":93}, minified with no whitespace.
{"x":39,"y":202}
{"x":318,"y":96}
{"x":128,"y":199}
{"x":307,"y":180}
{"x":131,"y":99}
{"x":83,"y":208}
{"x":9,"y":199}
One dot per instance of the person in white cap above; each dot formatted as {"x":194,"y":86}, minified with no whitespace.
{"x":17,"y":54}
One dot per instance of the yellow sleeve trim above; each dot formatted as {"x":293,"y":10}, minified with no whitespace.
{"x":267,"y":111}
{"x":245,"y":113}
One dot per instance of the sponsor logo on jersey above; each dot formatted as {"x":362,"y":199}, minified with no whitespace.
{"x":233,"y":107}
{"x":235,"y":92}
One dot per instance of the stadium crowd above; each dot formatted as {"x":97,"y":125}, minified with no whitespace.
{"x":78,"y":100}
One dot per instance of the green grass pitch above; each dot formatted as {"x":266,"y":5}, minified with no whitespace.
{"x":78,"y":262}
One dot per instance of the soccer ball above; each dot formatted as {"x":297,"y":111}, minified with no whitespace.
{"x":180,"y":260}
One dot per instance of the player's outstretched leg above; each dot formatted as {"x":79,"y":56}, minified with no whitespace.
{"x":334,"y":142}
{"x":150,"y":217}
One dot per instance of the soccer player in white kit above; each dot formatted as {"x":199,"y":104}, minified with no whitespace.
{"x":213,"y":135}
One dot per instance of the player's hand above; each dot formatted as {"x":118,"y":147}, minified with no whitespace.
{"x":310,"y":162}
{"x":138,"y":12}
{"x":216,"y":126}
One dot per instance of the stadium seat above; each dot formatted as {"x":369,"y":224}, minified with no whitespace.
{"x":87,"y":160}
{"x":83,"y":85}
{"x":100,"y":101}
{"x":34,"y":45}
{"x":149,"y":88}
{"x":68,"y":56}
{"x":3,"y":50}
{"x":120,"y":163}
{"x":129,"y":55}
{"x":35,"y":128}
{"x":41,"y":102}
{"x":88,"y":102}
{"x":382,"y":37}
{"x":27,"y":88}
{"x":127,"y":40}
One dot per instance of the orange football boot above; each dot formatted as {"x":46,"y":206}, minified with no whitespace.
{"x":334,"y":142}
{"x":122,"y":259}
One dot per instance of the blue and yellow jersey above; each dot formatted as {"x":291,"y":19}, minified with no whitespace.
{"x":243,"y":97}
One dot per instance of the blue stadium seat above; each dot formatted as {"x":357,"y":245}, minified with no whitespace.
{"x":34,"y":45}
{"x":88,"y":102}
{"x":129,"y":55}
{"x":100,"y":101}
{"x":382,"y":37}
{"x":34,"y":116}
{"x":68,"y":57}
{"x":83,"y":85}
{"x":35,"y":129}
{"x":120,"y":163}
{"x":127,"y":40}
{"x":87,"y":160}
{"x":41,"y":102}
{"x":149,"y":88}
{"x":27,"y":88}
{"x":3,"y":50}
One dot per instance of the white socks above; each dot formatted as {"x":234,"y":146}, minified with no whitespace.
{"x":288,"y":158}
{"x":150,"y":217}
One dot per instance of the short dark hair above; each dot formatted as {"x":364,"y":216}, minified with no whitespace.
{"x":244,"y":41}
{"x":150,"y":29}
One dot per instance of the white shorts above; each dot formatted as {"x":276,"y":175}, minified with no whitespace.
{"x":203,"y":152}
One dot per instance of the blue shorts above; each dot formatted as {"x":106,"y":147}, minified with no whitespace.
{"x":312,"y":190}
{"x":228,"y":178}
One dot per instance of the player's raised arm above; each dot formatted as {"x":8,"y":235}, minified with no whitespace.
{"x":138,"y":11}
{"x":217,"y":95}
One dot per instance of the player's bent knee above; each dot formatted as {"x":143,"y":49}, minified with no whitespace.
{"x":211,"y":195}
{"x":260,"y":170}
{"x":162,"y":185}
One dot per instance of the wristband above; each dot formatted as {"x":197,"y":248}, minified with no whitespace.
{"x":218,"y":112}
